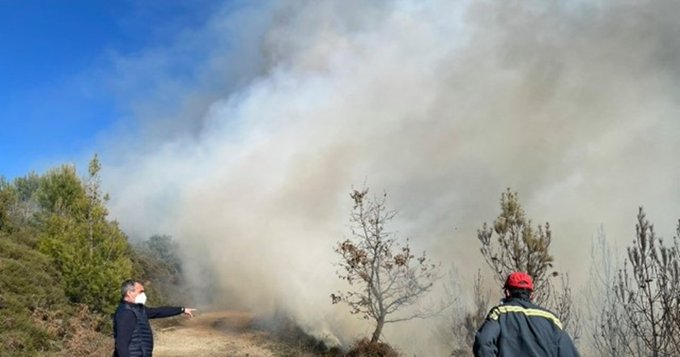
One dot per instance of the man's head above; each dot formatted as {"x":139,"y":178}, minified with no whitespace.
{"x":132,"y":291}
{"x":519,"y":284}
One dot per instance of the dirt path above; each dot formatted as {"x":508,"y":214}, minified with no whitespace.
{"x":221,"y":333}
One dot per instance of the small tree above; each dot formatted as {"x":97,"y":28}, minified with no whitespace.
{"x":91,"y":252}
{"x":606,"y":328}
{"x":386,"y":277}
{"x":520,"y":247}
{"x":674,"y":276}
{"x":26,"y":206}
{"x":465,"y":320}
{"x":648,"y":288}
{"x":156,"y":259}
{"x":6,"y":200}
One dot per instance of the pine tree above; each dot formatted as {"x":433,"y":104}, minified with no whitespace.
{"x":90,"y":251}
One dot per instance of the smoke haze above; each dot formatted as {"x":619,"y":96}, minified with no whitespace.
{"x":441,"y":104}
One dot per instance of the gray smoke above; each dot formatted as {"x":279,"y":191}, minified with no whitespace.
{"x":441,"y":104}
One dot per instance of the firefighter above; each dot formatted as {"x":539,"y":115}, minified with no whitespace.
{"x":521,"y":328}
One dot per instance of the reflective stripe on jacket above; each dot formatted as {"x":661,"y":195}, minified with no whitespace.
{"x":523,"y":329}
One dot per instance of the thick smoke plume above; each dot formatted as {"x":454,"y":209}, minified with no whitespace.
{"x":441,"y":104}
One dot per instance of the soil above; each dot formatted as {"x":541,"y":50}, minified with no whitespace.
{"x":220,"y":333}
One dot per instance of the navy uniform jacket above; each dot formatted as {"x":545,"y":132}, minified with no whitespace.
{"x":523,"y":329}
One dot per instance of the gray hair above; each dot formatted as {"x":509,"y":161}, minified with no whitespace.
{"x":126,"y":287}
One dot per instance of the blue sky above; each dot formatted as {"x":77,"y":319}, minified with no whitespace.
{"x":57,"y":63}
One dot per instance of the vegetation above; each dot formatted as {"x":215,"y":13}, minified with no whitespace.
{"x":463,"y":323}
{"x":29,"y":284}
{"x":90,"y":251}
{"x":602,"y":312}
{"x":388,"y":277}
{"x":366,"y":348}
{"x":644,"y":318}
{"x":510,"y":244}
{"x":518,"y":246}
{"x":62,"y":260}
{"x":158,"y":266}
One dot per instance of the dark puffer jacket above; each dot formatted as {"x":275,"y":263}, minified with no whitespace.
{"x":522,"y":329}
{"x":131,"y":329}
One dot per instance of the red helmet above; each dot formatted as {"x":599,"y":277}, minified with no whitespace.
{"x":519,"y":280}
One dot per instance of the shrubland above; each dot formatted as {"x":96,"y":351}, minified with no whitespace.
{"x":62,"y":260}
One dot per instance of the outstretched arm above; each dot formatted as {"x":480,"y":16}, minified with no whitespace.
{"x":167,"y":311}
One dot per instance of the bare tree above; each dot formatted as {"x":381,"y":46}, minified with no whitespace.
{"x":673,"y":276}
{"x":610,"y":336}
{"x":386,"y":277}
{"x":465,"y":320}
{"x":648,"y":288}
{"x":518,"y":246}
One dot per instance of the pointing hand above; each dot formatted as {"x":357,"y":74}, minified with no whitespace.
{"x":189,"y":311}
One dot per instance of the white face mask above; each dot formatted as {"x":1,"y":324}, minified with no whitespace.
{"x":140,"y":299}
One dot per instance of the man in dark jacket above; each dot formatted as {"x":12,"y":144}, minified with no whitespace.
{"x":520,"y":328}
{"x":131,"y":329}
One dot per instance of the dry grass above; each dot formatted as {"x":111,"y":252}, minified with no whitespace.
{"x":364,"y":348}
{"x":221,"y":333}
{"x":237,"y":334}
{"x":81,"y":332}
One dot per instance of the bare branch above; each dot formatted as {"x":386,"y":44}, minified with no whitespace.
{"x":648,"y":288}
{"x":388,"y":276}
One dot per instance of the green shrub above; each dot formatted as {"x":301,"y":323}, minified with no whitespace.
{"x":157,"y":264}
{"x":28,"y":284}
{"x":91,"y":252}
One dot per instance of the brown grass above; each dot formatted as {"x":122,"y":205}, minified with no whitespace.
{"x":364,"y":348}
{"x":82,"y":332}
{"x":218,"y":333}
{"x":223,"y":333}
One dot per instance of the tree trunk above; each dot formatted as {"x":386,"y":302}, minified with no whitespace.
{"x":378,"y":330}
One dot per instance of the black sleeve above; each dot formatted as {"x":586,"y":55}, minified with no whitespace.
{"x":164,"y":311}
{"x":125,"y":324}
